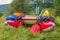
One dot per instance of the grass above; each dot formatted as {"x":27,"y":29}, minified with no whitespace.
{"x":23,"y":33}
{"x":29,"y":21}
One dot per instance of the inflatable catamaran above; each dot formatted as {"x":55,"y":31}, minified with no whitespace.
{"x":45,"y":21}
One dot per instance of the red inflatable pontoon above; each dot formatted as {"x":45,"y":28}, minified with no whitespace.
{"x":44,"y":26}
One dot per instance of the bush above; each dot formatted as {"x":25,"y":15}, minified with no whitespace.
{"x":57,"y":20}
{"x":1,"y":14}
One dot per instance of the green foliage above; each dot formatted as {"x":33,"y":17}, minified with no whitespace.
{"x":30,"y":22}
{"x":20,"y":5}
{"x":47,"y":5}
{"x":57,"y":21}
{"x":57,"y":7}
{"x":1,"y":14}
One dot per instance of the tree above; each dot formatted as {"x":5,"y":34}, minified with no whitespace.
{"x":20,"y":5}
{"x":57,"y":7}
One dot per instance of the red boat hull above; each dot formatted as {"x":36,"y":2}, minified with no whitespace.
{"x":48,"y":25}
{"x":45,"y":26}
{"x":13,"y":23}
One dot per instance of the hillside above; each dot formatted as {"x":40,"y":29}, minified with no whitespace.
{"x":3,"y":8}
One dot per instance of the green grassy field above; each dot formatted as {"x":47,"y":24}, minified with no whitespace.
{"x":23,"y":33}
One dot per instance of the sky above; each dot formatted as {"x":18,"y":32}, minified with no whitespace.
{"x":2,"y":2}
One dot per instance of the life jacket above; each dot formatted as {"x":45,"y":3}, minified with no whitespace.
{"x":48,"y":16}
{"x":17,"y":14}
